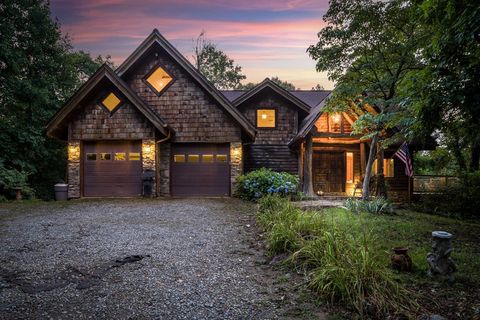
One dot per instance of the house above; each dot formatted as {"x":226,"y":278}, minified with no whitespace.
{"x":157,"y":115}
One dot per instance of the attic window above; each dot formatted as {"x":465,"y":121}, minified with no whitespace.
{"x":266,"y":118}
{"x":158,"y":80}
{"x":111,"y":102}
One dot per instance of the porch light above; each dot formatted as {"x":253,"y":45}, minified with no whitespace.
{"x":147,"y":149}
{"x":264,"y":116}
{"x":336,"y":117}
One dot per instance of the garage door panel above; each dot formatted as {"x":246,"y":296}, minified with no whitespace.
{"x":112,"y":178}
{"x":202,"y":178}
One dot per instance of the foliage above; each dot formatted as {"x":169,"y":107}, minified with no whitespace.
{"x":284,"y":84}
{"x":459,"y":200}
{"x":339,"y":253}
{"x":215,"y":65}
{"x":440,"y":161}
{"x":376,"y":205}
{"x":258,"y":183}
{"x":10,"y":180}
{"x":38,"y":72}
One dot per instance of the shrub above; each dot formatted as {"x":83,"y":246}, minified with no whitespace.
{"x":10,"y":179}
{"x":376,"y":205}
{"x":258,"y":183}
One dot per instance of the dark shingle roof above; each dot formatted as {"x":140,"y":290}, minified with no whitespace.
{"x":232,"y":94}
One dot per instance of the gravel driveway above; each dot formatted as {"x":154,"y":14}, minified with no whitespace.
{"x":136,"y":259}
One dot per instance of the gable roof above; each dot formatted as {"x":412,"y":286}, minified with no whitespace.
{"x":267,"y":83}
{"x":156,"y":38}
{"x":309,"y":121}
{"x":104,"y":72}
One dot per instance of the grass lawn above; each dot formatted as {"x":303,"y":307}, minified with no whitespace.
{"x":346,"y":253}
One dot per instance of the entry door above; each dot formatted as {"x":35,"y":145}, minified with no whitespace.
{"x":329,"y":171}
{"x":112,"y":169}
{"x":200,"y":169}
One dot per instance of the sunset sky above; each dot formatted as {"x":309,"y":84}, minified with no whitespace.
{"x":266,"y":37}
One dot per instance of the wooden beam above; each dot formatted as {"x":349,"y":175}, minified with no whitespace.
{"x":336,"y":135}
{"x":336,"y":140}
{"x":347,"y":117}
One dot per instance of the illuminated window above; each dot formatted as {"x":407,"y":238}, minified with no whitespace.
{"x":159,"y":79}
{"x":120,"y":156}
{"x":111,"y":102}
{"x":193,"y":158}
{"x":350,"y":167}
{"x":134,"y":156}
{"x":105,"y":156}
{"x":179,"y":158}
{"x":266,"y":118}
{"x":91,"y":156}
{"x":208,"y":158}
{"x":388,"y":168}
{"x":221,"y":157}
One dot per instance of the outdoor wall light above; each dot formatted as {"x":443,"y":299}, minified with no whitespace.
{"x":336,"y":117}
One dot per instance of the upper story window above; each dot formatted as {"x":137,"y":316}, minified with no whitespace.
{"x":158,"y":79}
{"x":266,"y":118}
{"x":111,"y":102}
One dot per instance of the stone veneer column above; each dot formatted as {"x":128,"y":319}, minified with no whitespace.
{"x":73,"y":169}
{"x":164,"y":168}
{"x":148,"y":159}
{"x":236,"y":163}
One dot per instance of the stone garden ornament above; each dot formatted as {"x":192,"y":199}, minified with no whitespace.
{"x":439,"y":259}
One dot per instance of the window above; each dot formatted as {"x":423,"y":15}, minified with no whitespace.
{"x":349,"y":167}
{"x":111,"y":102}
{"x":179,"y":158}
{"x":91,"y":156}
{"x":266,"y":118}
{"x":388,"y":168}
{"x":193,"y":158}
{"x":105,"y":156}
{"x":207,"y":158}
{"x":120,"y":156}
{"x":221,"y":157}
{"x":134,"y":156}
{"x":158,"y":79}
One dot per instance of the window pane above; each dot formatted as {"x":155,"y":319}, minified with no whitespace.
{"x":179,"y":158}
{"x":120,"y":156}
{"x":134,"y":156}
{"x":389,"y":167}
{"x":349,"y":167}
{"x":207,"y":158}
{"x":193,"y":158}
{"x":91,"y":156}
{"x":221,"y":157}
{"x":105,"y":156}
{"x":159,"y":79}
{"x":111,"y":101}
{"x":266,"y":118}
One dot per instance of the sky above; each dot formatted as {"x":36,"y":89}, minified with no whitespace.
{"x":266,"y":37}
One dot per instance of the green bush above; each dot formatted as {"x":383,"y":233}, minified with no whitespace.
{"x":10,"y":179}
{"x":461,"y":200}
{"x":259,"y":183}
{"x":376,"y":205}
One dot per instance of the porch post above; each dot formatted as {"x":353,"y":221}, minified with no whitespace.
{"x":362,"y":159}
{"x":307,"y":167}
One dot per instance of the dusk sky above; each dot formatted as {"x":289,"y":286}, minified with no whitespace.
{"x":266,"y":37}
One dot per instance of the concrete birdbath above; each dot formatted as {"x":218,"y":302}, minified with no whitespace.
{"x":441,"y":265}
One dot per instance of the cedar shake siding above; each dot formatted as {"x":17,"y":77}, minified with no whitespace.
{"x":192,"y":114}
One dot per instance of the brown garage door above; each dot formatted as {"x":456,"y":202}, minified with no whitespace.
{"x":112,"y":169}
{"x":200,"y":170}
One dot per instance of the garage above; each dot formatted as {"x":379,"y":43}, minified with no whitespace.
{"x":112,"y":169}
{"x":200,"y":169}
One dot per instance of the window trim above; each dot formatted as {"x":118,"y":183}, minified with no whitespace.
{"x":149,"y":73}
{"x":275,"y":110}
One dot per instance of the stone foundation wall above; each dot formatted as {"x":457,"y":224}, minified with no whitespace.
{"x":236,"y":163}
{"x":73,"y":169}
{"x":148,"y":159}
{"x":164,"y":169}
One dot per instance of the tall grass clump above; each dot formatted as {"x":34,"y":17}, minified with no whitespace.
{"x":377,"y":205}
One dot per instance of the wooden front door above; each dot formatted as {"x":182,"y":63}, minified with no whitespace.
{"x":328,"y":171}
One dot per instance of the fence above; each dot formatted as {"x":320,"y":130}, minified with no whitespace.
{"x":432,"y":183}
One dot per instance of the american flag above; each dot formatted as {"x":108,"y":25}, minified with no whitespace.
{"x":404,"y":155}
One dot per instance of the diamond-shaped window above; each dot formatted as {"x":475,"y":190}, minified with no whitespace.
{"x":159,"y":79}
{"x":111,"y":102}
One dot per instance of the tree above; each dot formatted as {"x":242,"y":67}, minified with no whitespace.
{"x":318,"y":87}
{"x":284,"y":84}
{"x":38,"y":72}
{"x":215,"y":65}
{"x":447,"y":90}
{"x":369,"y":49}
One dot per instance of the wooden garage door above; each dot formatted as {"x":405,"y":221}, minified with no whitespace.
{"x":200,"y":170}
{"x":112,"y":169}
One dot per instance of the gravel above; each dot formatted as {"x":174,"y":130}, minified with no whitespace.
{"x":134,"y":259}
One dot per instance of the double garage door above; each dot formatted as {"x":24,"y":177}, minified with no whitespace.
{"x":114,"y":169}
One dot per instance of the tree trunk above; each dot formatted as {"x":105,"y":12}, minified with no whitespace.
{"x":475,"y":157}
{"x":368,"y":169}
{"x":380,"y":181}
{"x":307,"y":167}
